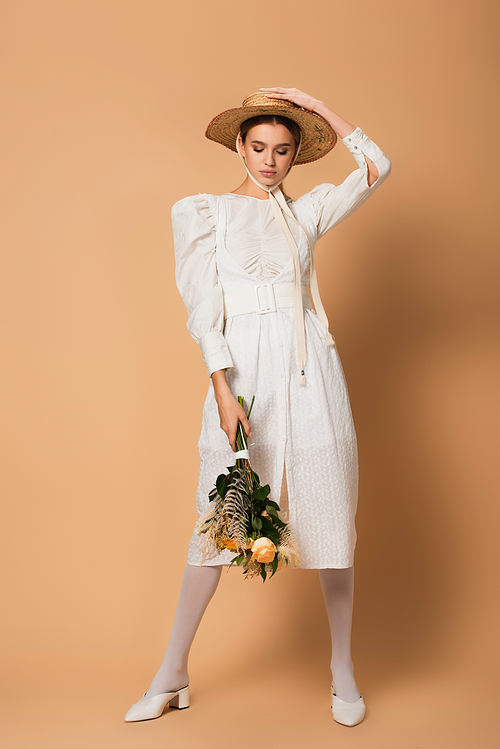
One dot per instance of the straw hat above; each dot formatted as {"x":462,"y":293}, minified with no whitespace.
{"x":318,"y":137}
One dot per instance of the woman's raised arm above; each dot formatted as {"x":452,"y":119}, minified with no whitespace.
{"x":342,"y":127}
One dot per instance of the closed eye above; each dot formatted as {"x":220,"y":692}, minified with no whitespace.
{"x":281,"y":153}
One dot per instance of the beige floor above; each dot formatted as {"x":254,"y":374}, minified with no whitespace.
{"x":432,"y":711}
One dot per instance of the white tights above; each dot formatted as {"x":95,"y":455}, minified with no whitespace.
{"x":200,"y":583}
{"x":198,"y":587}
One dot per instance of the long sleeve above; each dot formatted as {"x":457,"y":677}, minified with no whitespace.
{"x":334,"y":203}
{"x":197,"y":279}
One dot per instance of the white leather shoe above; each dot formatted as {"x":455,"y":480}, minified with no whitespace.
{"x":348,"y":713}
{"x":152,"y":707}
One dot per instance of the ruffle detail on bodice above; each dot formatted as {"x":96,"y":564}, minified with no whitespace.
{"x":254,"y":239}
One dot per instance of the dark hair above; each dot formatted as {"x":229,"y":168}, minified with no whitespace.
{"x":272,"y":119}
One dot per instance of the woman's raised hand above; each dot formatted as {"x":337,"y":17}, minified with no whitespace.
{"x":341,"y":126}
{"x":293,"y":95}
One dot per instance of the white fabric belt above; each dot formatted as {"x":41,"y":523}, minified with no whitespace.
{"x":264,"y":298}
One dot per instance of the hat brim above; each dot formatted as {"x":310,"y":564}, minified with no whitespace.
{"x":318,"y":137}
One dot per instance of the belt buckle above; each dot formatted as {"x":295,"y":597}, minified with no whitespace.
{"x":272,"y":299}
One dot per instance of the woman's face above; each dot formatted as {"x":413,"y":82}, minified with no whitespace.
{"x":268,"y":151}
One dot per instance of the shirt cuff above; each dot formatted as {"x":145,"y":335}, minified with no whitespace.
{"x":215,"y":351}
{"x":359,"y":144}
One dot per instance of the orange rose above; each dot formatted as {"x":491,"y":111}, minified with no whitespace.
{"x":263,"y":550}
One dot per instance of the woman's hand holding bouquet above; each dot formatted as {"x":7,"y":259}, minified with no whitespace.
{"x":241,"y":517}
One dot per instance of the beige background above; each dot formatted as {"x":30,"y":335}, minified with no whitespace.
{"x":104,"y":107}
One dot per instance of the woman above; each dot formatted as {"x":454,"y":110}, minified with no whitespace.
{"x":245,"y":271}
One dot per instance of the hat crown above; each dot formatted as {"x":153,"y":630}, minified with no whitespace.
{"x":258,"y":99}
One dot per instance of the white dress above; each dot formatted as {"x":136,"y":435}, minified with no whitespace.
{"x":304,"y":441}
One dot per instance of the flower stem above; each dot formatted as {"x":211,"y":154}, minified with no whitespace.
{"x":242,"y":444}
{"x":250,"y":409}
{"x":241,"y":439}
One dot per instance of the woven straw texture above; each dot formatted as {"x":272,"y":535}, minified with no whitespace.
{"x":318,"y":137}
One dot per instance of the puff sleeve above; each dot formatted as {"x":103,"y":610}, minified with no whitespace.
{"x":334,"y":203}
{"x":197,"y":280}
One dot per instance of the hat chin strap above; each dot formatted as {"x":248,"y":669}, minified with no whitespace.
{"x":280,"y":207}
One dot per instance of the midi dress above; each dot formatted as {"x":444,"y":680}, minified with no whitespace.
{"x":303,"y":436}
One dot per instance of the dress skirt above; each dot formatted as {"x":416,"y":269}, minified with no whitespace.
{"x":303,"y":431}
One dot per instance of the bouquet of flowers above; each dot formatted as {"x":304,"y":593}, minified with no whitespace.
{"x":241,"y":517}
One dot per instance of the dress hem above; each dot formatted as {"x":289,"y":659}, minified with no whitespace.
{"x":317,"y":567}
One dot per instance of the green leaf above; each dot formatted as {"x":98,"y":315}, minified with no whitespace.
{"x":274,"y":565}
{"x":279,"y":522}
{"x":256,"y":523}
{"x":266,"y":523}
{"x":273,"y":504}
{"x":270,"y":532}
{"x":221,"y":485}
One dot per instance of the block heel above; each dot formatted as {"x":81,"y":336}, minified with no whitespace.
{"x":181,"y":701}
